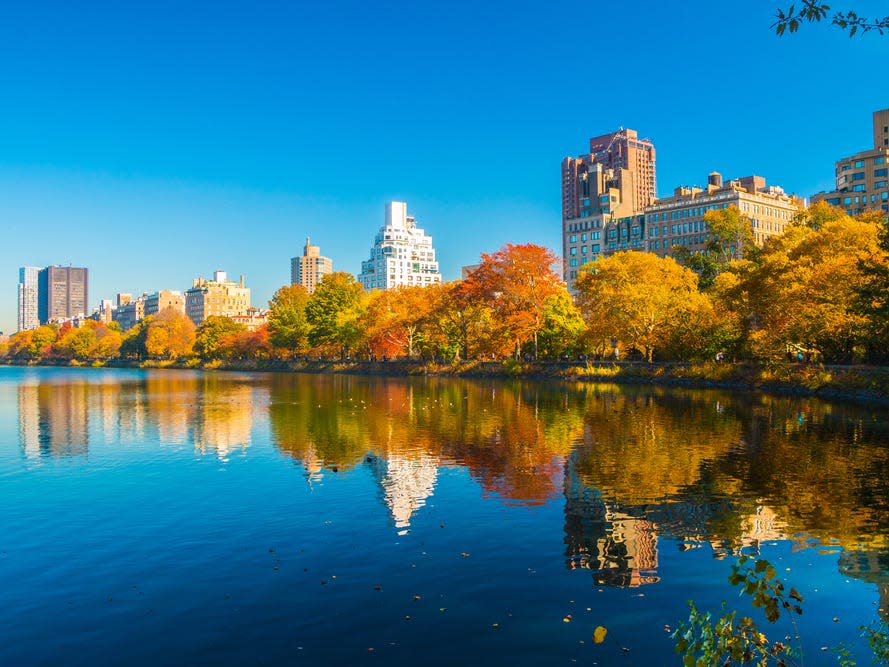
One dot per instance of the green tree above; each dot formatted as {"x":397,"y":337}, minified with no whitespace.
{"x":332,"y":312}
{"x":563,"y":327}
{"x":288,"y":323}
{"x":211,"y":332}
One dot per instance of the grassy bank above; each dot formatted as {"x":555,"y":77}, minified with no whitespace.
{"x":869,"y":383}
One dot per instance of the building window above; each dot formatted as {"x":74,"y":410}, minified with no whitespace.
{"x":881,"y":172}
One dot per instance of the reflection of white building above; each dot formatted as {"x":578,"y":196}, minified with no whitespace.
{"x":406,"y":484}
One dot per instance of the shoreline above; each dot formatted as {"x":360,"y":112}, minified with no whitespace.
{"x":856,"y":383}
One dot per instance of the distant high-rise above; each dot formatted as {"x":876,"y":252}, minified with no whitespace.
{"x":402,"y":253}
{"x":617,"y":178}
{"x":62,"y":293}
{"x":310,"y":268}
{"x":27,"y":311}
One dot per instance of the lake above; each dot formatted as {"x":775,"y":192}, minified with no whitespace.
{"x":209,"y":518}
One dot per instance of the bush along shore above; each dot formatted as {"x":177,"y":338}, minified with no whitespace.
{"x":862,"y":383}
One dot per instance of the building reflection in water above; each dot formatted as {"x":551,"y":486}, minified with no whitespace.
{"x":223,"y":419}
{"x":53,"y":420}
{"x":406,"y":483}
{"x":620,"y":547}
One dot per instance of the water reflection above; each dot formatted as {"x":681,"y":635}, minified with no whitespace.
{"x":59,"y":418}
{"x":637,"y":470}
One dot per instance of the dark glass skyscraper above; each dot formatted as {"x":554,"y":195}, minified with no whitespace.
{"x":62,"y":292}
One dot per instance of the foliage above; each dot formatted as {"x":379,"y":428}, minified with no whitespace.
{"x":211,"y":333}
{"x":730,"y":237}
{"x":872,"y":294}
{"x":288,"y":325}
{"x":705,"y":642}
{"x":517,"y":281}
{"x":394,"y":321}
{"x":800,"y":294}
{"x":332,"y":313}
{"x":814,"y":11}
{"x":170,"y":334}
{"x":637,"y":298}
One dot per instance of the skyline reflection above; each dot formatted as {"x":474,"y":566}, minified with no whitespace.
{"x":636,"y":469}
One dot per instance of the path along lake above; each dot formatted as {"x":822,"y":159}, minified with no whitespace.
{"x":199,"y":518}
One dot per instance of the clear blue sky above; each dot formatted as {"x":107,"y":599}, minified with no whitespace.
{"x":153,"y":142}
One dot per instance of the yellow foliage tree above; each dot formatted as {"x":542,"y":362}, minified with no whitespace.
{"x":170,"y":334}
{"x":636,"y":298}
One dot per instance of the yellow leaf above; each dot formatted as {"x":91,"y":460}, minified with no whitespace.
{"x":599,"y":634}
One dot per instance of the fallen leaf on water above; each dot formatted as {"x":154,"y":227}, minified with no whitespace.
{"x":567,"y":619}
{"x":599,"y":634}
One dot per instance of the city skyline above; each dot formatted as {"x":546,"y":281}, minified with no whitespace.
{"x":189,"y":148}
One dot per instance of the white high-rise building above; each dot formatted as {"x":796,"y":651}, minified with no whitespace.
{"x":27,"y":314}
{"x":402,"y":254}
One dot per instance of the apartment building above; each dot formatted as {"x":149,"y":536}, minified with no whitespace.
{"x":678,"y":221}
{"x":615,"y":180}
{"x":862,"y":180}
{"x":402,"y":253}
{"x":219,"y":296}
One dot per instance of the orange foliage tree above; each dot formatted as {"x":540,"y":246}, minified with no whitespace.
{"x":517,"y":281}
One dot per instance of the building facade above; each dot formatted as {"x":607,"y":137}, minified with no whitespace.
{"x":129,"y":311}
{"x":219,"y":296}
{"x":163,"y":299}
{"x":678,"y":221}
{"x":310,"y":268}
{"x":27,"y":298}
{"x":62,"y":293}
{"x":615,"y":180}
{"x":402,"y":254}
{"x":862,"y":180}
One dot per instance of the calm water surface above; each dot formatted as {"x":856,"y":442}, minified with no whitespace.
{"x":187,"y":518}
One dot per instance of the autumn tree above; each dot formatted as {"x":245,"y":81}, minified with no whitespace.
{"x":246,"y":344}
{"x":517,"y":281}
{"x":333,"y":311}
{"x":460,"y":325}
{"x":211,"y":332}
{"x":169,"y":334}
{"x":637,"y":298}
{"x":76,"y":343}
{"x":872,"y":294}
{"x":288,"y":324}
{"x":801,"y":292}
{"x":393,"y":320}
{"x":563,"y":327}
{"x":730,"y":237}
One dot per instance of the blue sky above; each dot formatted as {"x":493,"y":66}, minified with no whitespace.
{"x":154,"y":142}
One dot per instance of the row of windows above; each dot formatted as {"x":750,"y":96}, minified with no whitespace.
{"x":595,"y":247}
{"x":594,"y":236}
{"x":846,"y":201}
